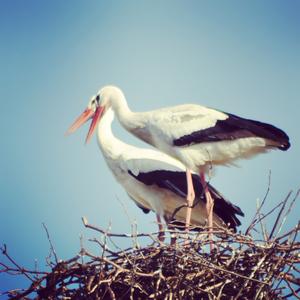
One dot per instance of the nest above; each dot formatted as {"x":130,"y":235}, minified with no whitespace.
{"x":241,"y":266}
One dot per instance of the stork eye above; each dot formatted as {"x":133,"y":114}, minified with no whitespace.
{"x":97,"y":98}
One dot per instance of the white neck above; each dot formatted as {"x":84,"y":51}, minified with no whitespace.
{"x":110,"y":146}
{"x":130,"y":120}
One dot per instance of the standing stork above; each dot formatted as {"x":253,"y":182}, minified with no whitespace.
{"x":196,"y":135}
{"x":154,"y":180}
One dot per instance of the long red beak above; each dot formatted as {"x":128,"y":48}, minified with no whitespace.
{"x":84,"y":117}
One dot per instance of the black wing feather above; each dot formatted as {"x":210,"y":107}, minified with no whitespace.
{"x":176,"y":182}
{"x":235,"y":127}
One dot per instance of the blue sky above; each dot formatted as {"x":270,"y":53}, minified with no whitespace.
{"x":240,"y":57}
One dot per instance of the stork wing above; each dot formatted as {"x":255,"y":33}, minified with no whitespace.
{"x":235,"y":127}
{"x":171,"y":178}
{"x":191,"y":124}
{"x":178,"y":121}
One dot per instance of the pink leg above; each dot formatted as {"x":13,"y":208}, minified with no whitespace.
{"x":161,"y":234}
{"x":209,"y":207}
{"x":189,"y":199}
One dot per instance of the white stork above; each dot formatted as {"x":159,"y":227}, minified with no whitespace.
{"x":154,"y":180}
{"x":197,"y":136}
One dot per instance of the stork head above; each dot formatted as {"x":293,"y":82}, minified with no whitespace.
{"x":110,"y":96}
{"x":107,"y":97}
{"x":93,"y":111}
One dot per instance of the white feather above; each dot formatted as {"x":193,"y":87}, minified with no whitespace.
{"x":122,"y":158}
{"x":161,"y":127}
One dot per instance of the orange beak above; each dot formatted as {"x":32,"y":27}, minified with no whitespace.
{"x":84,"y":117}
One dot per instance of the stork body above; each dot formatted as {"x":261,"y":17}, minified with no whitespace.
{"x":198,"y":136}
{"x":156,"y":182}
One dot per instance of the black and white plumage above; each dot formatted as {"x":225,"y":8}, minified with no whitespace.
{"x":198,"y":136}
{"x":233,"y":128}
{"x":176,"y":183}
{"x":154,"y":180}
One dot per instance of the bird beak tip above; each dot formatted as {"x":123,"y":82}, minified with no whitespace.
{"x":96,"y":118}
{"x":87,"y":114}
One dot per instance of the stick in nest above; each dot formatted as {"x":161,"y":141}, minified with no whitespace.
{"x":241,"y":267}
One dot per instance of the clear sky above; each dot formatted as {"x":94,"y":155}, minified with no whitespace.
{"x":238,"y":56}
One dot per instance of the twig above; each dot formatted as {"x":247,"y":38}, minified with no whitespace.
{"x":22,"y":270}
{"x":50,"y":242}
{"x":252,"y":224}
{"x":279,"y":214}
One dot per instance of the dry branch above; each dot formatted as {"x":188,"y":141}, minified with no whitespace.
{"x":240,"y":267}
